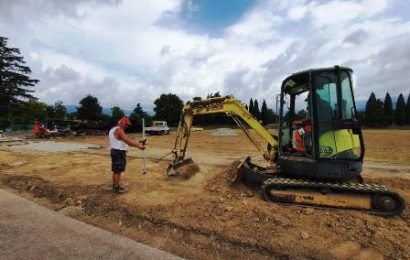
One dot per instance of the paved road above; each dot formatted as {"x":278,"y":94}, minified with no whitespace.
{"x":30,"y":231}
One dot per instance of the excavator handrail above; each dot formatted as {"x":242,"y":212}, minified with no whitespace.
{"x":231,"y":107}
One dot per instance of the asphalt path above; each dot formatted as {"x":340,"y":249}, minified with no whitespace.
{"x":31,"y":231}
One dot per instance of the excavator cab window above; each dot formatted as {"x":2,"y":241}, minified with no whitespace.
{"x":296,"y":125}
{"x":338,"y":136}
{"x":328,"y":131}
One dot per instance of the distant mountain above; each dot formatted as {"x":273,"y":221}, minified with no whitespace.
{"x":361,"y":105}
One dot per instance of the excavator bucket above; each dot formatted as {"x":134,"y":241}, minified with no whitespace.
{"x":184,"y":169}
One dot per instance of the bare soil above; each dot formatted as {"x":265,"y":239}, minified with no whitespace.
{"x":204,"y":216}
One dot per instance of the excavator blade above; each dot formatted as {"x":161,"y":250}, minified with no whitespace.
{"x":184,"y":169}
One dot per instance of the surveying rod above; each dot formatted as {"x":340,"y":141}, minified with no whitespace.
{"x":143,"y":155}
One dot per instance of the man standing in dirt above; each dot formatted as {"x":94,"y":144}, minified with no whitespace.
{"x":119,"y":143}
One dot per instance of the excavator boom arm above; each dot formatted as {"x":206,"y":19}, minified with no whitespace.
{"x":231,"y":107}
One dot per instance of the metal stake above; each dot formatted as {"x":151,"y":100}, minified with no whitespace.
{"x":143,"y":156}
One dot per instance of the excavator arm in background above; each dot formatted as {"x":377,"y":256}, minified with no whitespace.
{"x":232,"y":108}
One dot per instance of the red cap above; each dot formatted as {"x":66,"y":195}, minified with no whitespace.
{"x":124,"y":120}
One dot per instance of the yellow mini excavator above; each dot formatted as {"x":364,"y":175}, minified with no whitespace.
{"x":316,"y":158}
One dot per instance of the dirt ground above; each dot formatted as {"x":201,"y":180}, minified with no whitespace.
{"x":204,"y":217}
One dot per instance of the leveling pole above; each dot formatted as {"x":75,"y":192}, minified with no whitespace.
{"x":143,"y":155}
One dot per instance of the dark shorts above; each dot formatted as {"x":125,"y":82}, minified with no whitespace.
{"x":119,"y":160}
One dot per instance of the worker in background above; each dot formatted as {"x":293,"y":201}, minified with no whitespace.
{"x":119,"y":143}
{"x":39,"y":130}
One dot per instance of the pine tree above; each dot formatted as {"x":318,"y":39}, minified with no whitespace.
{"x":271,"y":116}
{"x":136,"y":118}
{"x":388,"y":110}
{"x":400,"y":111}
{"x":374,"y":113}
{"x":264,"y":112}
{"x":257,"y":112}
{"x":15,"y":82}
{"x":408,"y":111}
{"x":369,"y":109}
{"x":251,"y":110}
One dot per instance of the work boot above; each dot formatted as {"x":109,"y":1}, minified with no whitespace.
{"x":122,"y":189}
{"x":118,"y":190}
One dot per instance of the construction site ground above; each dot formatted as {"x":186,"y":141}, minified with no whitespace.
{"x":204,"y":216}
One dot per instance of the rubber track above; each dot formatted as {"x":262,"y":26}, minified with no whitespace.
{"x":358,"y":188}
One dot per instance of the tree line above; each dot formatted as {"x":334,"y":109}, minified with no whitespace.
{"x":380,"y":113}
{"x":264,"y":115}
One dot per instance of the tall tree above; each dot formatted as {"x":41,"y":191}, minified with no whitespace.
{"x":374,"y":113}
{"x":168,"y":107}
{"x":271,"y":117}
{"x":15,"y":83}
{"x":138,"y":109}
{"x":116,"y":113}
{"x":408,"y":111}
{"x":60,"y":111}
{"x":90,"y":109}
{"x":264,"y":112}
{"x":251,"y":110}
{"x":50,"y":112}
{"x":257,"y":112}
{"x":400,"y":111}
{"x":136,"y":118}
{"x":388,"y":110}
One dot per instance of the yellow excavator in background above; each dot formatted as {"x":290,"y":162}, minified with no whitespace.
{"x":316,"y":158}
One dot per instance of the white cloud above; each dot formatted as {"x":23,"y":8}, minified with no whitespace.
{"x":122,"y":52}
{"x":341,"y":12}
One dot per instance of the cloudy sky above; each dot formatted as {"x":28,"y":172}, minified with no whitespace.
{"x":130,"y":51}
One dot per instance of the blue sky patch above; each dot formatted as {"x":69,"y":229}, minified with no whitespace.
{"x":212,"y":15}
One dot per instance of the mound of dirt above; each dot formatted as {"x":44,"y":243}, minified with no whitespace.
{"x":225,"y":183}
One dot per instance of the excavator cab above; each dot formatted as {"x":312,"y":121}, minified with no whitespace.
{"x":319,"y":134}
